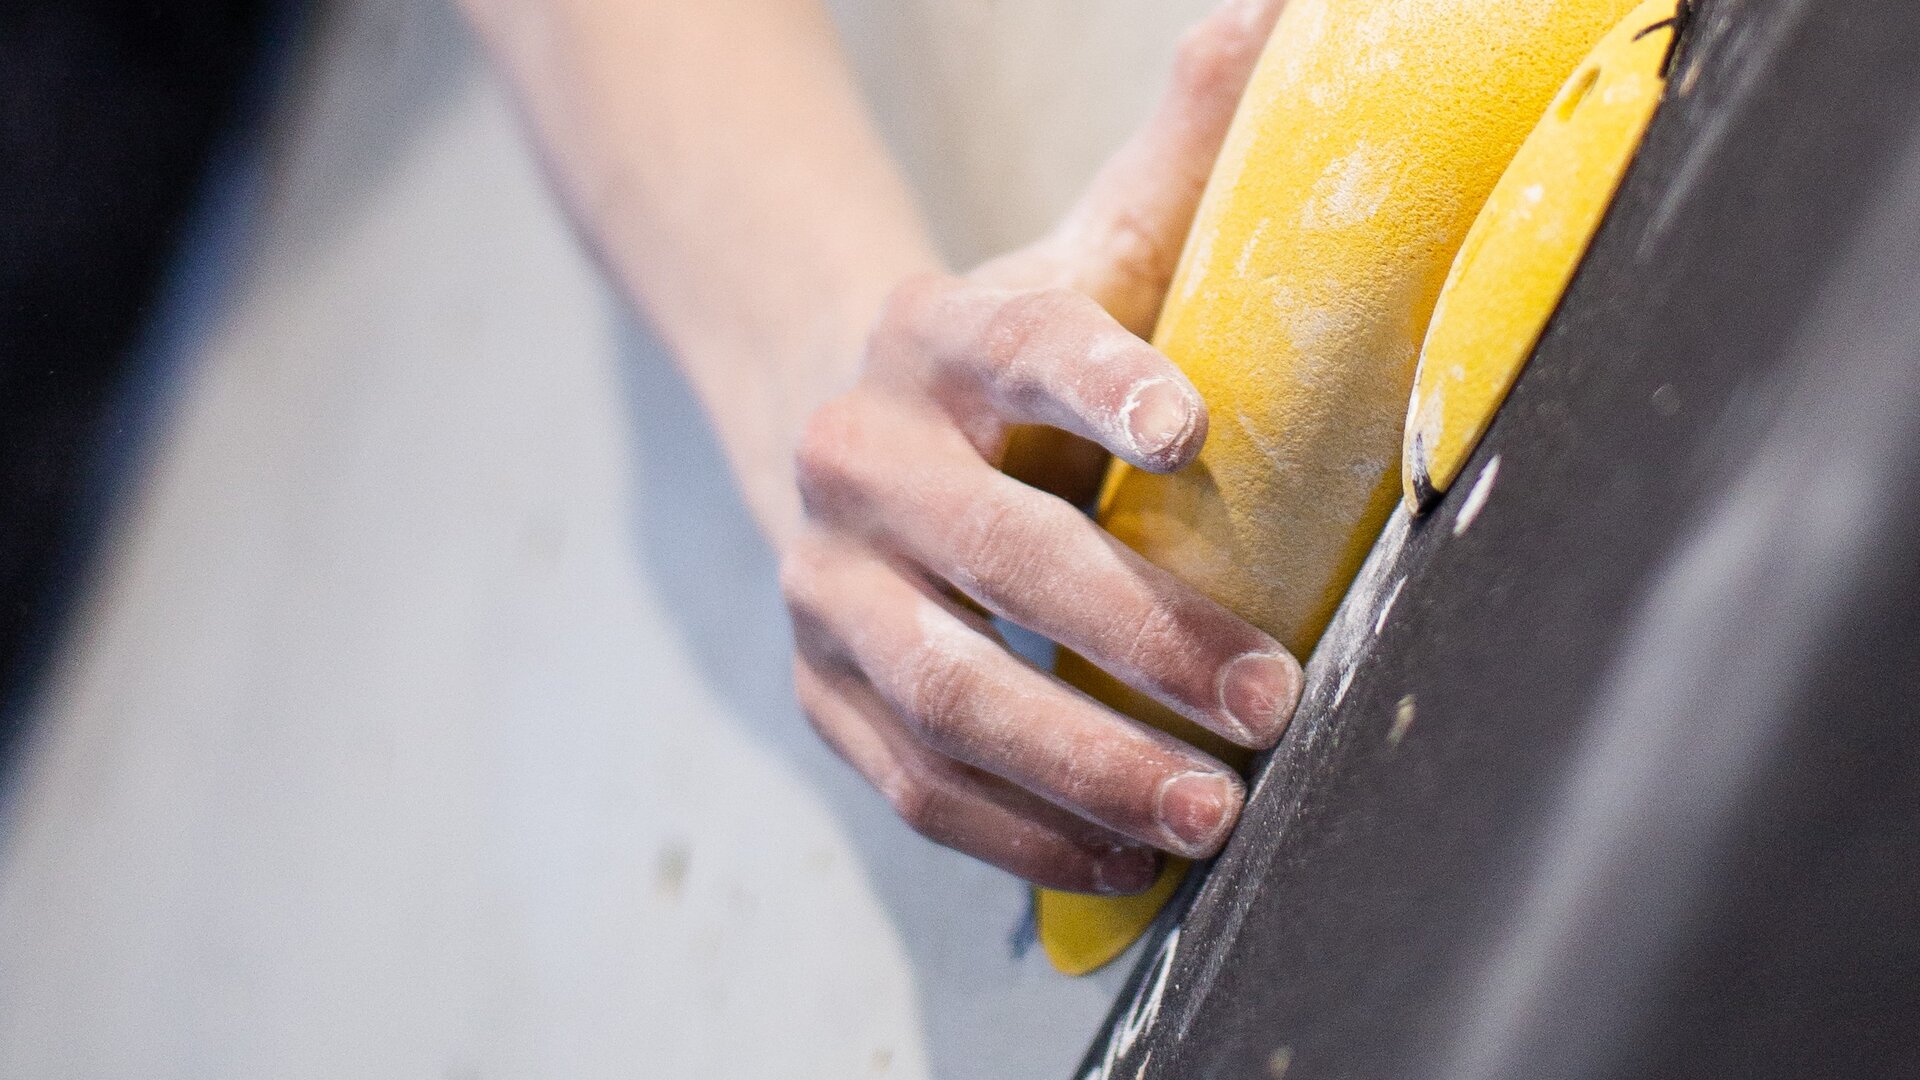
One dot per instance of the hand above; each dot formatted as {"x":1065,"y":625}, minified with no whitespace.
{"x":910,"y":522}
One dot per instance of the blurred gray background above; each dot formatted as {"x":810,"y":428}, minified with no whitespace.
{"x":426,"y":714}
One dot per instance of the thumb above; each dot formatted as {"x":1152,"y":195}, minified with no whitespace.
{"x":1120,"y":244}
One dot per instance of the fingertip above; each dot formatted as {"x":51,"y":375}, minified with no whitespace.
{"x":1163,"y":424}
{"x":1197,"y":809}
{"x":1258,"y":693}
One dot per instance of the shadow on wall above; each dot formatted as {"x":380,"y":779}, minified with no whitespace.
{"x":115,"y":388}
{"x":692,"y":525}
{"x":380,"y":53}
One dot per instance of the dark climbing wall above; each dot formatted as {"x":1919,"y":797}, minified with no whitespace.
{"x":1617,"y":772}
{"x":108,"y":112}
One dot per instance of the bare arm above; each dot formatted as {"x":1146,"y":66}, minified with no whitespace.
{"x":722,"y":165}
{"x":718,"y":156}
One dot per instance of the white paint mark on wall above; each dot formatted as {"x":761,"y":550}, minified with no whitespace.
{"x":1386,"y":608}
{"x":1340,"y":692}
{"x":1402,"y":720}
{"x":1477,"y":498}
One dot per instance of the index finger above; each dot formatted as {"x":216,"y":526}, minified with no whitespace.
{"x":1055,"y":357}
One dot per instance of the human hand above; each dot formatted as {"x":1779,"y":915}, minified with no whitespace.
{"x":908,"y":512}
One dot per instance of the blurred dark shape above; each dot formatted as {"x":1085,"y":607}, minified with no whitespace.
{"x":109,"y":111}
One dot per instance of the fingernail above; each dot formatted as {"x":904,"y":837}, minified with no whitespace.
{"x":1196,"y":809}
{"x":1123,"y":871}
{"x":1158,"y":415}
{"x":1258,"y":693}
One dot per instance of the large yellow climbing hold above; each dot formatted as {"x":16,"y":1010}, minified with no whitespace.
{"x":1368,"y":138}
{"x":1524,"y":247}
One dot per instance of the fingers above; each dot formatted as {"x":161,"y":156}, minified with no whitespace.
{"x":965,"y":698}
{"x":977,"y":749}
{"x":963,"y":808}
{"x":1124,"y":238}
{"x":1051,"y":357}
{"x":1035,"y":560}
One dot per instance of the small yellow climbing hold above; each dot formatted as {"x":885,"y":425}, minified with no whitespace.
{"x":1526,"y":244}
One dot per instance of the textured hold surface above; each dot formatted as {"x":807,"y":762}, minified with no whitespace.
{"x":1526,"y":244}
{"x":1368,"y":139}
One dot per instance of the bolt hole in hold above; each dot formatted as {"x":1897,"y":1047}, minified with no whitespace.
{"x":1577,"y":92}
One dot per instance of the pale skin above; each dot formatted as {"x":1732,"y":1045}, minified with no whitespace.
{"x":719,"y":160}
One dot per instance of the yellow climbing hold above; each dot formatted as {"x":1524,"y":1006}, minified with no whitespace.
{"x":1080,"y":930}
{"x":1523,"y":249}
{"x":1369,"y":136}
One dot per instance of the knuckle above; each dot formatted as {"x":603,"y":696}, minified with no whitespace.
{"x":940,"y":690}
{"x":1150,"y":643}
{"x":822,"y":461}
{"x":998,"y":545}
{"x":1135,"y":251}
{"x":1017,"y":321}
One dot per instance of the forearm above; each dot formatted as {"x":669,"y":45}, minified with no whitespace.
{"x":718,"y":158}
